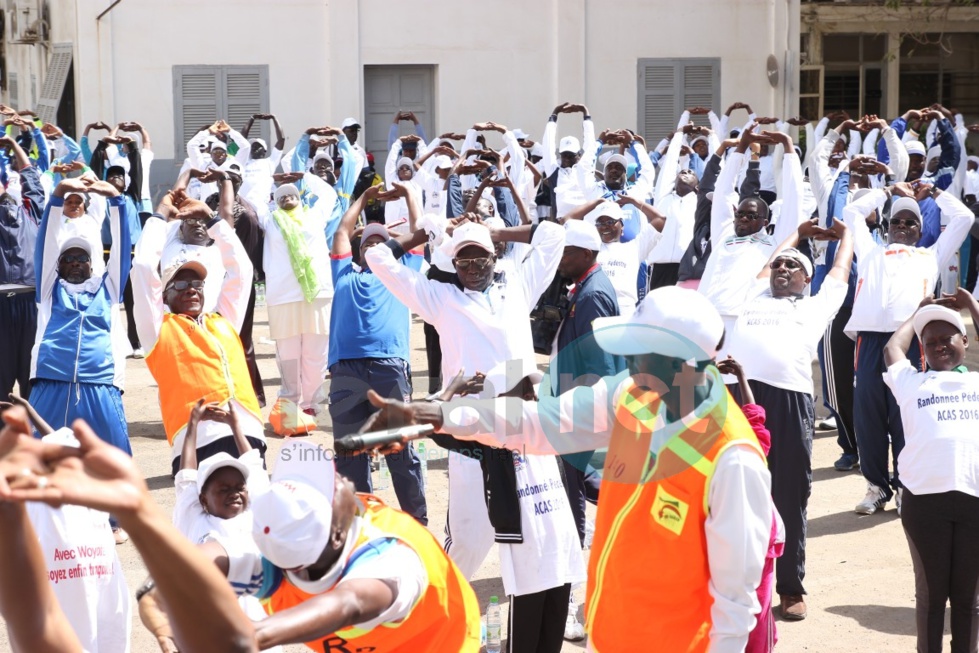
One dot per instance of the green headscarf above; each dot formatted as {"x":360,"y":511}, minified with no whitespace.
{"x":290,"y":225}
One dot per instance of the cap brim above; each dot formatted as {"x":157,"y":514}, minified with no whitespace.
{"x":933,"y":313}
{"x":621,"y":336}
{"x":234,"y":463}
{"x":467,"y":243}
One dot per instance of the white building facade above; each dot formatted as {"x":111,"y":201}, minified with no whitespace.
{"x":177,"y":65}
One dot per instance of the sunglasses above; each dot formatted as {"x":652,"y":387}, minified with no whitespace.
{"x":605,"y":222}
{"x":478,"y":263}
{"x":75,"y":258}
{"x":194,"y":222}
{"x":751,"y":215}
{"x":181,"y":286}
{"x":787,"y":263}
{"x":904,"y":222}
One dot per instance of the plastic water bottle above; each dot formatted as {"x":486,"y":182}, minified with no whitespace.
{"x":493,"y":634}
{"x":383,"y":474}
{"x":423,"y":458}
{"x":260,"y":293}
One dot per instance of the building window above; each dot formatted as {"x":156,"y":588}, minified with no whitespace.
{"x":940,"y":68}
{"x":204,"y":94}
{"x":668,"y":86}
{"x":853,"y":73}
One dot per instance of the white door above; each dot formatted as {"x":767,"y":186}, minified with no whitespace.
{"x":387,"y":90}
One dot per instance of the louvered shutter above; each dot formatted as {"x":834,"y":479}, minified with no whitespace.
{"x":196,"y":94}
{"x":668,"y":86}
{"x":54,"y":82}
{"x":246,"y":93}
{"x":657,"y":90}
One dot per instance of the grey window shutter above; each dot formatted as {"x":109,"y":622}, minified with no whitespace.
{"x":196,"y":95}
{"x":701,"y":81}
{"x":13,"y":90}
{"x":54,"y":82}
{"x":246,"y":93}
{"x":33,"y":90}
{"x":657,"y":98}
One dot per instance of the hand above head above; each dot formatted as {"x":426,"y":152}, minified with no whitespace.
{"x":698,"y":111}
{"x":902,"y":189}
{"x":562,"y":108}
{"x":798,"y":121}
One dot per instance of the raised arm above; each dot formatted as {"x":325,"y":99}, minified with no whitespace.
{"x":120,"y":217}
{"x":233,"y":300}
{"x":854,"y":217}
{"x":147,"y":284}
{"x":342,"y":237}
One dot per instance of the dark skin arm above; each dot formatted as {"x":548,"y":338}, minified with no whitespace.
{"x":188,"y":455}
{"x":656,"y":219}
{"x":21,"y":160}
{"x":40,"y":425}
{"x":897,"y":347}
{"x":415,"y":237}
{"x":352,"y":602}
{"x":731,"y":366}
{"x":342,"y":237}
{"x":226,"y":196}
{"x":579,"y":212}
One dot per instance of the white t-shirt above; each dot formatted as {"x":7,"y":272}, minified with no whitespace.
{"x":84,"y":570}
{"x":281,"y":286}
{"x":550,"y":554}
{"x":620,"y":262}
{"x":775,"y":339}
{"x":940,"y":412}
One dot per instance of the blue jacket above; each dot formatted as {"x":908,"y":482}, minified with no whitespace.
{"x":344,"y":186}
{"x":18,"y":231}
{"x":76,"y":345}
{"x":838,"y":199}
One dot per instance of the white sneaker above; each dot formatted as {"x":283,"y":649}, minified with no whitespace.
{"x":828,"y":424}
{"x":138,"y":353}
{"x":898,"y":499}
{"x":573,"y":630}
{"x":589,"y":532}
{"x":875,"y":500}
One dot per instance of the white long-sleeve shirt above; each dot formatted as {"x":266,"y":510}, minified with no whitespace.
{"x":497,"y":320}
{"x":893,"y":279}
{"x":735,"y":260}
{"x":738,"y":525}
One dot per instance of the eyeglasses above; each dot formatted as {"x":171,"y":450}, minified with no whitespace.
{"x":194,"y":222}
{"x":75,"y":258}
{"x":751,"y":215}
{"x":479,"y":264}
{"x":605,"y":222}
{"x":787,"y":263}
{"x":181,"y":286}
{"x":904,"y":222}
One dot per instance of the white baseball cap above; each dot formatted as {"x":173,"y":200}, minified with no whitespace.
{"x":537,"y":150}
{"x":184,"y":263}
{"x":349,"y":122}
{"x":77,"y":241}
{"x":218,"y":145}
{"x":442,"y":162}
{"x":578,"y":233}
{"x":405,"y":161}
{"x":933,"y":312}
{"x":569,"y":144}
{"x":374,"y":229}
{"x":915,"y":147}
{"x":472,"y":233}
{"x":519,"y":134}
{"x":797,"y":256}
{"x":617,"y":158}
{"x":260,"y":141}
{"x":285,"y":190}
{"x":293,"y":518}
{"x":906,"y":204}
{"x":608,"y":209}
{"x":211,"y":464}
{"x":670,"y":321}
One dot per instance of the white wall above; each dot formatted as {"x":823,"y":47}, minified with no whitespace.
{"x":507,"y":60}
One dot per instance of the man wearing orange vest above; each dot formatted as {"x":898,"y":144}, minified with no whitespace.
{"x":343,"y":572}
{"x":685,"y":516}
{"x":192,"y":354}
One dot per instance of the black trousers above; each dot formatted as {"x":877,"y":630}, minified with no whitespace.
{"x":433,"y":355}
{"x":537,"y":621}
{"x":942,"y":531}
{"x":664,"y":274}
{"x":836,"y":351}
{"x":18,"y":324}
{"x":249,"y":346}
{"x":127,"y":303}
{"x":790,"y":417}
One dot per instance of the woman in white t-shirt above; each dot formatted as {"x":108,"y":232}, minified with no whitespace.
{"x":940,"y":467}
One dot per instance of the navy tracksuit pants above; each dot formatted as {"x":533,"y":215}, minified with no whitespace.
{"x":875,"y":412}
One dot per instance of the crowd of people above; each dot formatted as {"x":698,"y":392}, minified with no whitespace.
{"x":681,"y":291}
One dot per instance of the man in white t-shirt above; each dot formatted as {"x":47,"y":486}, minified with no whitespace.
{"x":775,"y":338}
{"x":620,"y":261}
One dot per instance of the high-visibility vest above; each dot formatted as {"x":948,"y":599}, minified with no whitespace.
{"x":648,"y":573}
{"x":444,"y":620}
{"x":194,"y":359}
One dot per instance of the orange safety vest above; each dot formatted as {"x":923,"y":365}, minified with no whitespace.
{"x":445,"y":619}
{"x":194,"y":359}
{"x":648,"y":573}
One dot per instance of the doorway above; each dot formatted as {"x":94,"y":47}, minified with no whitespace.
{"x":389,"y":89}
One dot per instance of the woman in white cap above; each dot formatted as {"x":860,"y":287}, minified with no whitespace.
{"x":940,"y":467}
{"x":298,"y":291}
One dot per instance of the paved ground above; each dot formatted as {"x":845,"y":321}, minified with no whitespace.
{"x":860,"y":583}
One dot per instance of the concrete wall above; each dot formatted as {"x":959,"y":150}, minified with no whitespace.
{"x":510,"y":60}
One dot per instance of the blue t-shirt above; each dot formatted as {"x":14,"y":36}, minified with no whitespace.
{"x":367,"y":321}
